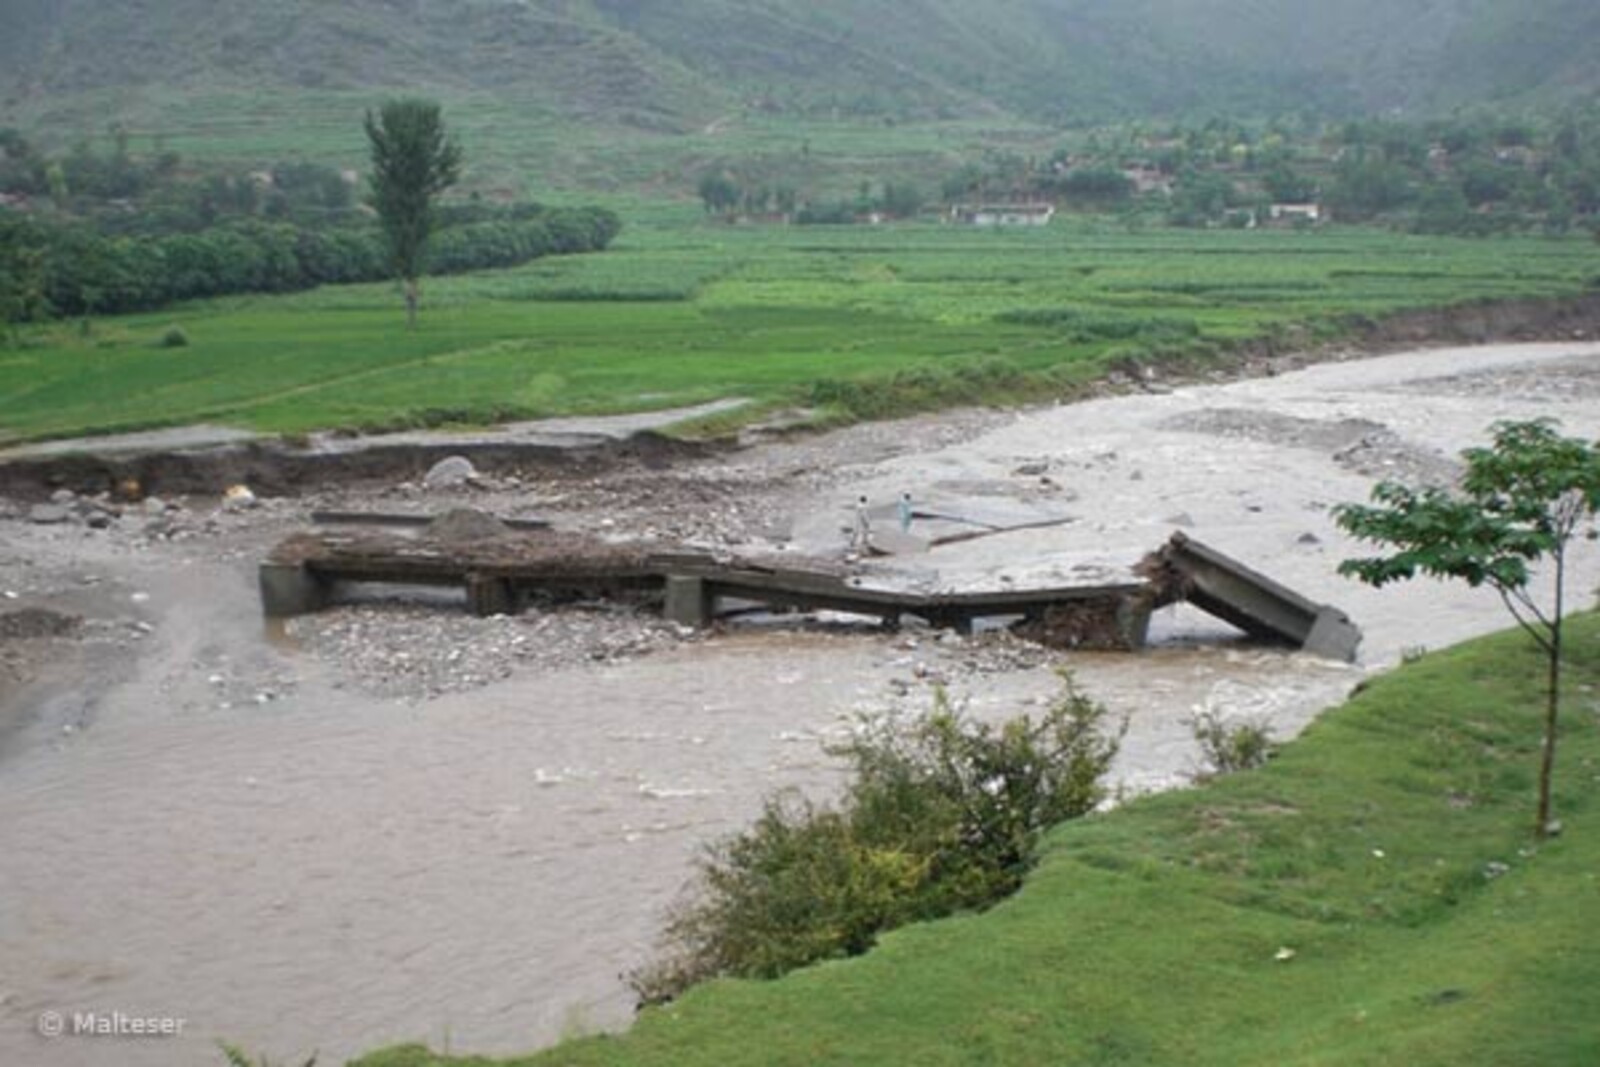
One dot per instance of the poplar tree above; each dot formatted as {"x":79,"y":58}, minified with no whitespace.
{"x":413,"y":161}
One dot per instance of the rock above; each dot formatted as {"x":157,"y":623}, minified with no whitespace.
{"x":37,"y":622}
{"x":1182,"y":518}
{"x":1033,"y":468}
{"x":466,"y":525}
{"x":98,"y":520}
{"x":450,"y":471}
{"x":239,"y":498}
{"x":49,"y":514}
{"x":154,"y":505}
{"x":1308,"y":538}
{"x":63,"y":496}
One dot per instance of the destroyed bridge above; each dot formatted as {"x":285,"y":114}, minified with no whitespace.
{"x":504,"y":569}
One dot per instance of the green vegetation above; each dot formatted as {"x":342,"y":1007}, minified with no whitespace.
{"x":851,"y":321}
{"x":50,"y":267}
{"x":1466,"y":175}
{"x":1521,"y":501}
{"x":237,"y":1057}
{"x":941,"y":814}
{"x":1229,"y":746}
{"x":413,"y":162}
{"x":1369,"y":897}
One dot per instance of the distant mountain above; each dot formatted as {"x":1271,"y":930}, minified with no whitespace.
{"x":677,"y":65}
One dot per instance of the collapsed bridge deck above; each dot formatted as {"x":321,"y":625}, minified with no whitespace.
{"x":504,"y":571}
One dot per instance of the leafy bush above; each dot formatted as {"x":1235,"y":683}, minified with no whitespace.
{"x":237,"y":1057}
{"x":1229,"y":747}
{"x":941,"y":814}
{"x":173,"y":337}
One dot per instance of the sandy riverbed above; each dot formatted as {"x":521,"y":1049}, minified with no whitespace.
{"x":348,"y":838}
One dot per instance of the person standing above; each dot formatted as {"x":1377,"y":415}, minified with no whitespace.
{"x":861,"y":535}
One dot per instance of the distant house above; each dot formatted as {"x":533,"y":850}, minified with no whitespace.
{"x":1003,"y":214}
{"x":1290,"y":214}
{"x":1517,"y":156}
{"x":1148,"y":179}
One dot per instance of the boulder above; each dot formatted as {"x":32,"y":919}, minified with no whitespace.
{"x":49,"y":514}
{"x":450,"y":472}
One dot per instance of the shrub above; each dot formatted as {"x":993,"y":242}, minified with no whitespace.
{"x":237,"y":1057}
{"x":173,"y":337}
{"x":1229,"y":747}
{"x":941,"y":814}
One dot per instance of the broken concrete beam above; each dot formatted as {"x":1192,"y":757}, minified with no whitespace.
{"x":403,"y":521}
{"x":1254,"y":603}
{"x":895,"y":543}
{"x":688,"y":601}
{"x":289,"y":589}
{"x":1333,"y":635}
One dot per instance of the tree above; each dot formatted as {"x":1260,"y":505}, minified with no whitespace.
{"x":902,"y":200}
{"x":1521,"y":501}
{"x":413,"y":161}
{"x":719,"y":192}
{"x":22,"y":276}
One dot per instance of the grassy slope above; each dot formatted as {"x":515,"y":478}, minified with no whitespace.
{"x":1149,"y":936}
{"x":681,"y":312}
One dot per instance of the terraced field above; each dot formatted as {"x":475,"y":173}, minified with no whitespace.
{"x":849,"y":322}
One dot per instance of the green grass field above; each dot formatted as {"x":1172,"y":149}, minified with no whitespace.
{"x":681,"y":311}
{"x":1371,"y":897}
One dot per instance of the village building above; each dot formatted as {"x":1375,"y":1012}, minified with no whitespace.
{"x":1003,"y":214}
{"x":1290,"y":214}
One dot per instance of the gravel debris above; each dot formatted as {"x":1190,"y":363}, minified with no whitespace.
{"x":416,"y":652}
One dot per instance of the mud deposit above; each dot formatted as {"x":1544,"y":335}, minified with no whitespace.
{"x":396,"y":822}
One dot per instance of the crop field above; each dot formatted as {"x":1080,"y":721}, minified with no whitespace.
{"x":850,"y":321}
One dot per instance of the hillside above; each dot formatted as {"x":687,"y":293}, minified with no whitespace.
{"x":612,"y":72}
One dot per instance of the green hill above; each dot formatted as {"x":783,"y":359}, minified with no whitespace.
{"x":580,"y":81}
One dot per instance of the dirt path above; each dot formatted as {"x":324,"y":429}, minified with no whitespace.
{"x":398,"y":824}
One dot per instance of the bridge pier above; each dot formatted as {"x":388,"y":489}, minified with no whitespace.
{"x":688,"y":601}
{"x":489,"y":595}
{"x":289,"y":589}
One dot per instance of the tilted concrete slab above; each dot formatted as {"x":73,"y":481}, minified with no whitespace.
{"x":1224,"y":587}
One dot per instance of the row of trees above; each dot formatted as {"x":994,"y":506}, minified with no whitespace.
{"x":52,"y":268}
{"x":730,"y":193}
{"x":52,"y":263}
{"x":1463,"y":175}
{"x":122,"y":193}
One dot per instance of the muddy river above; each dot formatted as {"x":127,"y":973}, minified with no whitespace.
{"x":247,"y":840}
